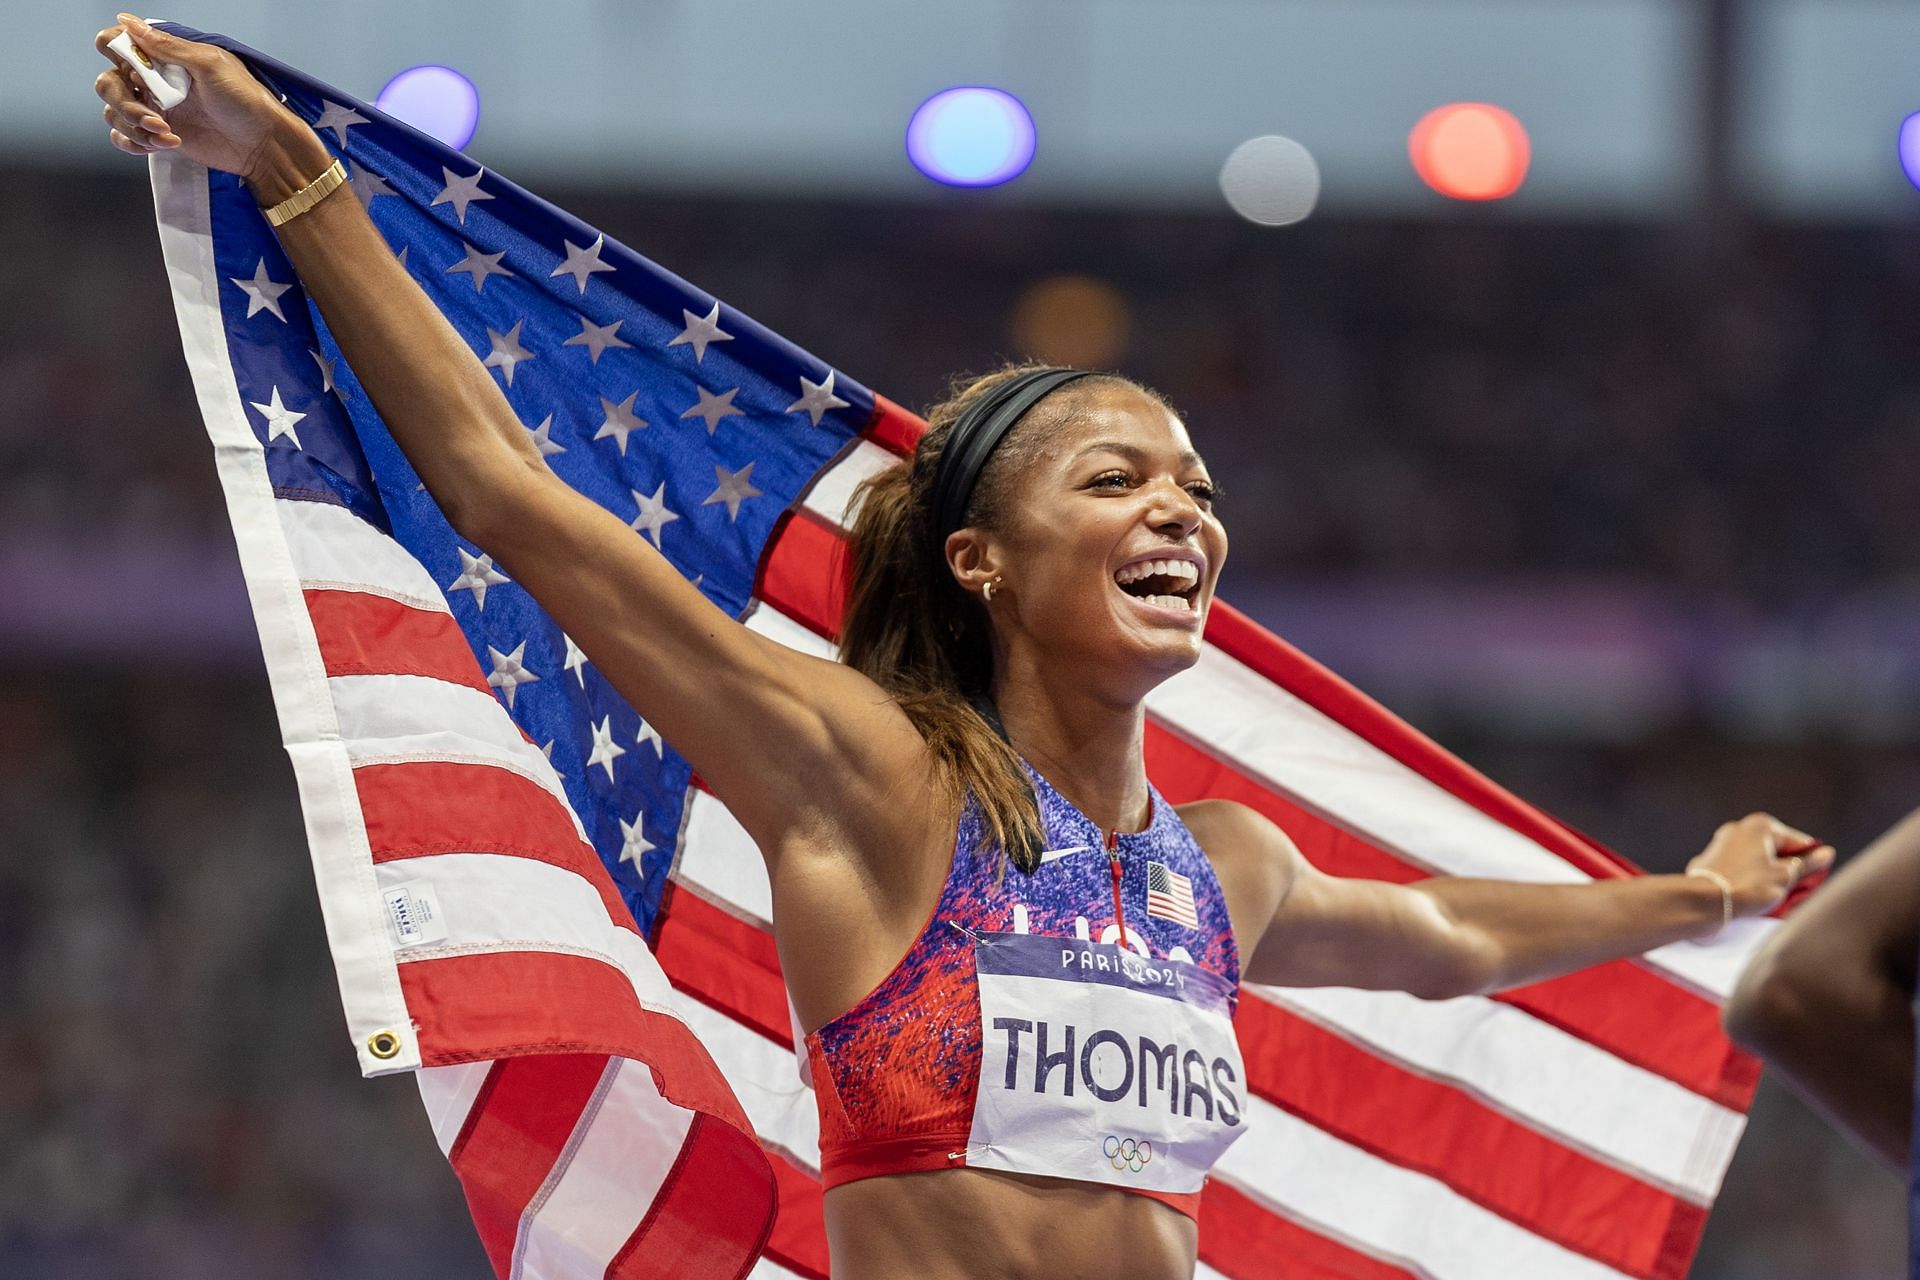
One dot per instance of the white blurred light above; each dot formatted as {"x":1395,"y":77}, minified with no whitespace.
{"x":1271,"y":180}
{"x":438,"y":101}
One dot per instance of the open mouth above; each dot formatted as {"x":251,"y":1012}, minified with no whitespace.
{"x":1165,"y":584}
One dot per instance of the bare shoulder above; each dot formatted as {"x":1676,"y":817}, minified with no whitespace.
{"x":1255,"y":859}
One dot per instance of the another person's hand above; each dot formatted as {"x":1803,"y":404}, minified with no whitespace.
{"x":1761,"y":859}
{"x":229,"y":120}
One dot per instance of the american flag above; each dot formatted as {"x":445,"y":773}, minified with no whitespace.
{"x":1170,"y":895}
{"x":533,"y":905}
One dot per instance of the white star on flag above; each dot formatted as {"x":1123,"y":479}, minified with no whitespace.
{"x":581,"y":263}
{"x":700,"y":331}
{"x":326,"y":374}
{"x":620,"y":421}
{"x":596,"y":338}
{"x":507,"y":351}
{"x":575,"y":661}
{"x":280,"y":419}
{"x":734,"y":488}
{"x":712,"y":408}
{"x":605,"y":749}
{"x":367,"y":184}
{"x":509,"y":672}
{"x":816,"y":398}
{"x":543,"y":438}
{"x":476,"y":575}
{"x":634,"y":844}
{"x":262,"y":293}
{"x":461,"y":192}
{"x":654,"y":515}
{"x":649,"y":734}
{"x":339,"y":119}
{"x":480,"y":265}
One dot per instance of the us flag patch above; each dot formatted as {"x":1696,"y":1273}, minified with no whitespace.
{"x":1170,"y":895}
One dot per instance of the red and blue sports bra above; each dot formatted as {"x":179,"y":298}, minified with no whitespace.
{"x":1023,"y":1031}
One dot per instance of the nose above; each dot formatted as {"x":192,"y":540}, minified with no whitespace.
{"x":1175,"y":511}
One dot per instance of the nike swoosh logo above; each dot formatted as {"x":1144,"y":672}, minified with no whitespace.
{"x":1054,"y":855}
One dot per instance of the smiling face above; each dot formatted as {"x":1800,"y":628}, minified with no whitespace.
{"x":1103,"y":535}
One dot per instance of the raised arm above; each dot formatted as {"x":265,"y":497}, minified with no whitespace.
{"x":1451,"y":936}
{"x":1828,"y":1001}
{"x":796,"y":746}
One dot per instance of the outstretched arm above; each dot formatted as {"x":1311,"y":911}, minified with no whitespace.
{"x":793,"y":744}
{"x":1451,"y":936}
{"x":1828,"y":1001}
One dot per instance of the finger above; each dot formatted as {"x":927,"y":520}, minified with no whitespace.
{"x":123,"y":143}
{"x":1791,"y":840}
{"x":140,"y":126}
{"x":164,"y":47}
{"x":101,"y":41}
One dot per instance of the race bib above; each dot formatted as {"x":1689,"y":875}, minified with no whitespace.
{"x":1099,"y":1065}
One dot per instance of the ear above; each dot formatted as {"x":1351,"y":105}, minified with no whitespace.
{"x":974,"y":558}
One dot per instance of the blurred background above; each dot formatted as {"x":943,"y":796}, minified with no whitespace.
{"x":1580,"y":424}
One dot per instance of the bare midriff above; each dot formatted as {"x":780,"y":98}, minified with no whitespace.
{"x":974,"y":1224}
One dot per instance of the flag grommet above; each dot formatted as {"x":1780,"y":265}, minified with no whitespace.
{"x":383,"y":1045}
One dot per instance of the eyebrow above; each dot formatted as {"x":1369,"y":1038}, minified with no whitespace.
{"x":1135,"y":454}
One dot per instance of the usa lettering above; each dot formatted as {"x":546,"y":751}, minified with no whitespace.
{"x":1055,"y":1058}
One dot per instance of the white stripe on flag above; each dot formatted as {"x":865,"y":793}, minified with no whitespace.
{"x":495,"y":902}
{"x":720,"y":859}
{"x":448,"y":1093}
{"x":831,"y":496}
{"x":620,"y":1154}
{"x":1536,"y":1073}
{"x":762,"y":1076}
{"x":386,"y":719}
{"x":1271,"y":735}
{"x":1386,"y":1210}
{"x":332,"y":547}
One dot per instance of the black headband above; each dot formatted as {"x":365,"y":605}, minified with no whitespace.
{"x":975,"y":436}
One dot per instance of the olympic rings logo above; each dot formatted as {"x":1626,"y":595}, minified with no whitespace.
{"x":1126,"y":1155}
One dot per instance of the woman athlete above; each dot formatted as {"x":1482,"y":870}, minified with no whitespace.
{"x":957,"y":893}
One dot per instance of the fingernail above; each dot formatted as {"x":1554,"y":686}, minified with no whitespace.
{"x":154,"y":124}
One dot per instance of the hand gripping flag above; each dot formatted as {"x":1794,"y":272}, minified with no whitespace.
{"x":532,"y":904}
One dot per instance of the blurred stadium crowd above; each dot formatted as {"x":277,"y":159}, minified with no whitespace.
{"x":1728,"y":412}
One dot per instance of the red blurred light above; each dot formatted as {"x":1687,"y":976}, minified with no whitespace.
{"x":1470,"y":151}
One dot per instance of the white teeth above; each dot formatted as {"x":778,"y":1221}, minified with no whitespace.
{"x":1169,"y":602}
{"x":1182,"y":569}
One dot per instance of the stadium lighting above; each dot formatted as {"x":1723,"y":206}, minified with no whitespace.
{"x":1910,"y":148}
{"x":971,"y":137}
{"x":1470,"y":151}
{"x":1271,"y":180}
{"x":436,"y":100}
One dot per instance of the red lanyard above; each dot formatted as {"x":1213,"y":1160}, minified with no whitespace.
{"x":1113,"y":865}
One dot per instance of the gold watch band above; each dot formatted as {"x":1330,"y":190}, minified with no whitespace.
{"x":308,"y":196}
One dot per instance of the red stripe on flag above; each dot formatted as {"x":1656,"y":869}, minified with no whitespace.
{"x":703,"y":1223}
{"x":509,"y":1003}
{"x":1622,"y":1007}
{"x":1498,"y":1162}
{"x":893,"y":427}
{"x":799,"y":1240}
{"x":722,"y":961}
{"x":1240,"y":1237}
{"x":367,"y":635}
{"x":519,"y":1122}
{"x":419,"y":808}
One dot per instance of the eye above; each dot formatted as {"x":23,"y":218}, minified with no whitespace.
{"x":1110,"y":480}
{"x":1204,"y":492}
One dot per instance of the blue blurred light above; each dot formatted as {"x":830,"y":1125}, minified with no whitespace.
{"x":438,"y":101}
{"x":971,"y":137}
{"x":1910,"y":147}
